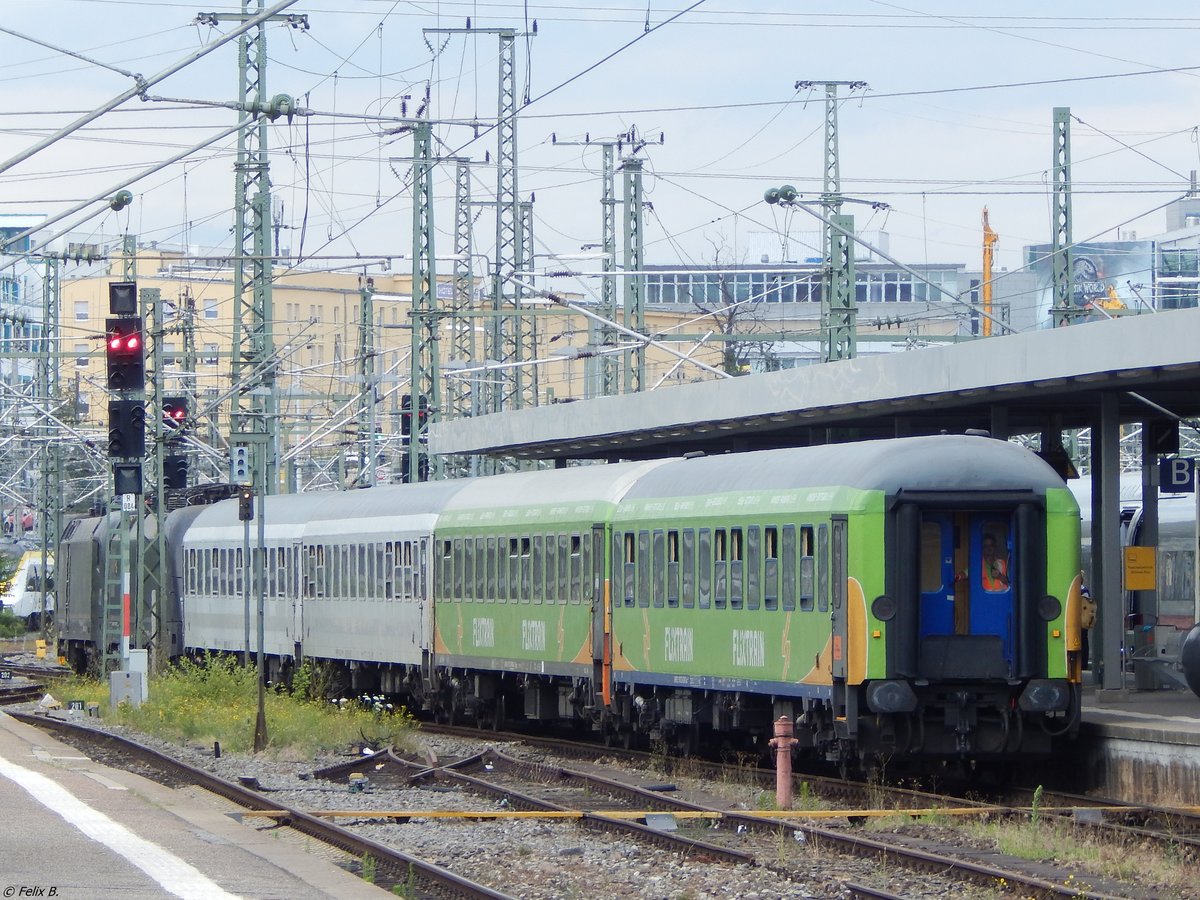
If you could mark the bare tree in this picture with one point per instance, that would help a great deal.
(732, 316)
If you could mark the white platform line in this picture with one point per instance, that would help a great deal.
(171, 872)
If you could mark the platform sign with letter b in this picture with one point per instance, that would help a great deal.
(1177, 475)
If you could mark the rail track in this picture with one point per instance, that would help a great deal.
(393, 867)
(1032, 880)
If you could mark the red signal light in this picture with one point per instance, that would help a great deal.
(123, 341)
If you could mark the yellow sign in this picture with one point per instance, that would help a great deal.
(1140, 574)
(40, 648)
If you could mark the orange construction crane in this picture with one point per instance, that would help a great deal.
(989, 242)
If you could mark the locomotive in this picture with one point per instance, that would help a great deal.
(915, 597)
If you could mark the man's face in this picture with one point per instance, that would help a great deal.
(989, 548)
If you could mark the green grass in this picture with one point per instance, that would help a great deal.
(10, 625)
(216, 699)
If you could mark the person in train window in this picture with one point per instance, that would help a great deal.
(995, 569)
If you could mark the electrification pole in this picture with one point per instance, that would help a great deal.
(50, 494)
(367, 378)
(253, 419)
(838, 308)
(634, 360)
(1063, 308)
(604, 367)
(506, 341)
(426, 396)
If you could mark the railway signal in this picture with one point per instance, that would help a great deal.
(175, 416)
(122, 298)
(175, 472)
(245, 503)
(126, 429)
(124, 354)
(127, 478)
(239, 464)
(406, 413)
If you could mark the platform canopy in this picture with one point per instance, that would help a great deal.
(1016, 384)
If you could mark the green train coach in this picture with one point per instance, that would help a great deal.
(916, 596)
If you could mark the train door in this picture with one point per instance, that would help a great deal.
(838, 590)
(991, 558)
(295, 593)
(966, 611)
(938, 588)
(422, 584)
(601, 599)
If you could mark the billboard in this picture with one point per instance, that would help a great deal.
(1106, 278)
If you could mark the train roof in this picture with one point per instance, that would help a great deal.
(547, 494)
(932, 463)
(324, 506)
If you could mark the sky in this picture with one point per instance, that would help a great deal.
(956, 114)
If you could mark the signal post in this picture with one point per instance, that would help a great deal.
(124, 353)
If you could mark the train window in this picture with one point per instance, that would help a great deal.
(239, 572)
(550, 567)
(285, 573)
(658, 576)
(674, 574)
(753, 568)
(771, 567)
(703, 568)
(270, 572)
(736, 550)
(789, 567)
(996, 557)
(514, 569)
(807, 568)
(576, 575)
(319, 572)
(526, 569)
(481, 561)
(389, 570)
(457, 590)
(536, 566)
(358, 568)
(823, 568)
(489, 583)
(338, 580)
(644, 568)
(447, 579)
(630, 557)
(687, 568)
(502, 569)
(381, 566)
(931, 557)
(566, 555)
(468, 579)
(402, 571)
(720, 568)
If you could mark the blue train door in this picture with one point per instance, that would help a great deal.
(991, 568)
(937, 574)
(965, 568)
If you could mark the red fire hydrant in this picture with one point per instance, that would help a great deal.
(783, 742)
